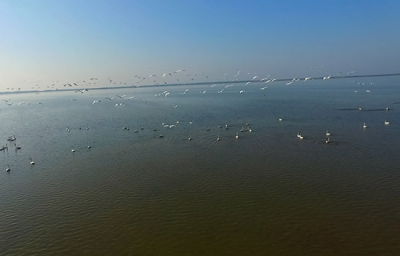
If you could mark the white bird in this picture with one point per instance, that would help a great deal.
(301, 137)
(328, 133)
(161, 135)
(365, 126)
(218, 139)
(237, 136)
(307, 78)
(280, 119)
(298, 135)
(8, 168)
(73, 150)
(326, 77)
(327, 141)
(386, 122)
(242, 91)
(263, 88)
(190, 137)
(32, 162)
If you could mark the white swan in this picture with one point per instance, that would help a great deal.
(8, 168)
(327, 133)
(237, 136)
(31, 162)
(218, 139)
(365, 126)
(327, 141)
(386, 122)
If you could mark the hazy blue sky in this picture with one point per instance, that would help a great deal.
(70, 40)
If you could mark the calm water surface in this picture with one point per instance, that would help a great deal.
(266, 193)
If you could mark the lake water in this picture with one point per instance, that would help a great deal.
(265, 193)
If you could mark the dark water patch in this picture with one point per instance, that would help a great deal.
(349, 109)
(363, 109)
(377, 109)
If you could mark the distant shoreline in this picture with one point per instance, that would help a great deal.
(201, 83)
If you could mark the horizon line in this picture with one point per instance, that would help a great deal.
(205, 83)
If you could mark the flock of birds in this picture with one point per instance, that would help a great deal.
(245, 128)
(180, 76)
(12, 139)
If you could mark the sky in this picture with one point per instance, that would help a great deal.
(43, 41)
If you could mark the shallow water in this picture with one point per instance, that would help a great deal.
(265, 193)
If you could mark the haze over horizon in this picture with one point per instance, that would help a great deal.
(66, 41)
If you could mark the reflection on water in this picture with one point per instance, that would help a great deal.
(266, 192)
